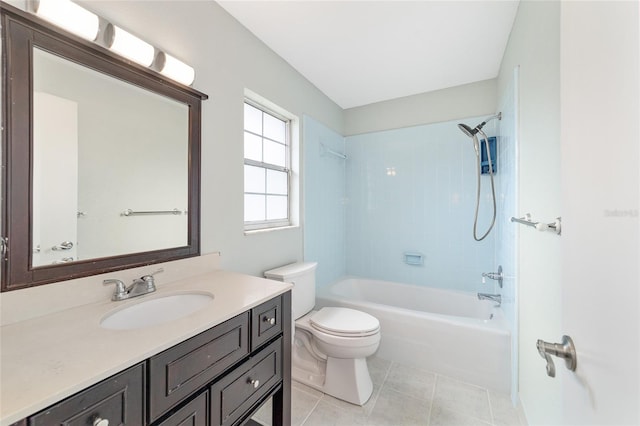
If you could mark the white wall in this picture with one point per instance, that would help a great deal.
(227, 59)
(469, 100)
(534, 45)
(600, 73)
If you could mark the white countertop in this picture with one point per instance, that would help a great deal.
(46, 359)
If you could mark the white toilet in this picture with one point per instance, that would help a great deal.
(330, 346)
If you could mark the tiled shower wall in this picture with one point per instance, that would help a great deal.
(414, 190)
(406, 190)
(324, 201)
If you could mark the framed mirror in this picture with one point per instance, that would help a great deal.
(101, 159)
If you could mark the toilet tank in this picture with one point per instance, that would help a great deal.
(303, 278)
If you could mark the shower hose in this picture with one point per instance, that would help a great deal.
(493, 191)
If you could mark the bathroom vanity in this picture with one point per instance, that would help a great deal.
(216, 366)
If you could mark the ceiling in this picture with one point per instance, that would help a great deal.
(361, 52)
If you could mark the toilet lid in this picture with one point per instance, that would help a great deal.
(344, 322)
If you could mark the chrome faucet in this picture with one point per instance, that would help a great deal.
(494, 297)
(140, 286)
(498, 276)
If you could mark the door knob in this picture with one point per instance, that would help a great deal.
(565, 350)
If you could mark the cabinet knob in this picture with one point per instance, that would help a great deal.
(100, 422)
(271, 321)
(254, 382)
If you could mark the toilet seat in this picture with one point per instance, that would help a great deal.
(344, 322)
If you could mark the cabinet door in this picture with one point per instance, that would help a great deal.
(237, 393)
(192, 414)
(118, 400)
(266, 322)
(178, 372)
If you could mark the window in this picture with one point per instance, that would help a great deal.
(267, 168)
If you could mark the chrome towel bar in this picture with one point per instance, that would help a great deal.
(129, 212)
(540, 226)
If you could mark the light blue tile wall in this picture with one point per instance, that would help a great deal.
(360, 218)
(324, 201)
(427, 206)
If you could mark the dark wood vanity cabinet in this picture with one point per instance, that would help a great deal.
(218, 377)
(118, 400)
(183, 369)
(247, 385)
(194, 413)
(266, 322)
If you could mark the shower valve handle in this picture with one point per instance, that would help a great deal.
(498, 276)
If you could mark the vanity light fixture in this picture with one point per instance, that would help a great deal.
(131, 47)
(69, 16)
(175, 69)
(79, 21)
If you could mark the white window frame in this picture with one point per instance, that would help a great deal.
(291, 165)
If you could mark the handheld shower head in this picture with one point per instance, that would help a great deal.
(471, 132)
(467, 130)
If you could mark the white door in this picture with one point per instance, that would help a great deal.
(600, 186)
(55, 179)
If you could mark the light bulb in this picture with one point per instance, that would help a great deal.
(131, 47)
(69, 16)
(177, 70)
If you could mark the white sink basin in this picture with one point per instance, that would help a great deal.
(155, 311)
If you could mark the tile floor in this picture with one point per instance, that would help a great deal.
(403, 396)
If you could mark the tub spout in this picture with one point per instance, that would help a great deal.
(494, 297)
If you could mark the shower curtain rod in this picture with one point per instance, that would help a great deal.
(332, 152)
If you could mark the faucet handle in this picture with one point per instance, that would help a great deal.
(151, 285)
(120, 292)
(151, 275)
(498, 276)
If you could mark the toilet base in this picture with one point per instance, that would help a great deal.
(349, 380)
(345, 379)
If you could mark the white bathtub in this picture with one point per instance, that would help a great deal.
(444, 331)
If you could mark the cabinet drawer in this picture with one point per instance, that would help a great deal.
(192, 414)
(266, 322)
(183, 369)
(236, 393)
(118, 399)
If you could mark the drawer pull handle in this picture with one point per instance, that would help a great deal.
(254, 382)
(100, 422)
(271, 321)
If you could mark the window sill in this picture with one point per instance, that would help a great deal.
(266, 230)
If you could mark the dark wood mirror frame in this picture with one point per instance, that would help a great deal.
(21, 31)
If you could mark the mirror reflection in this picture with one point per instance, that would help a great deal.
(110, 165)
